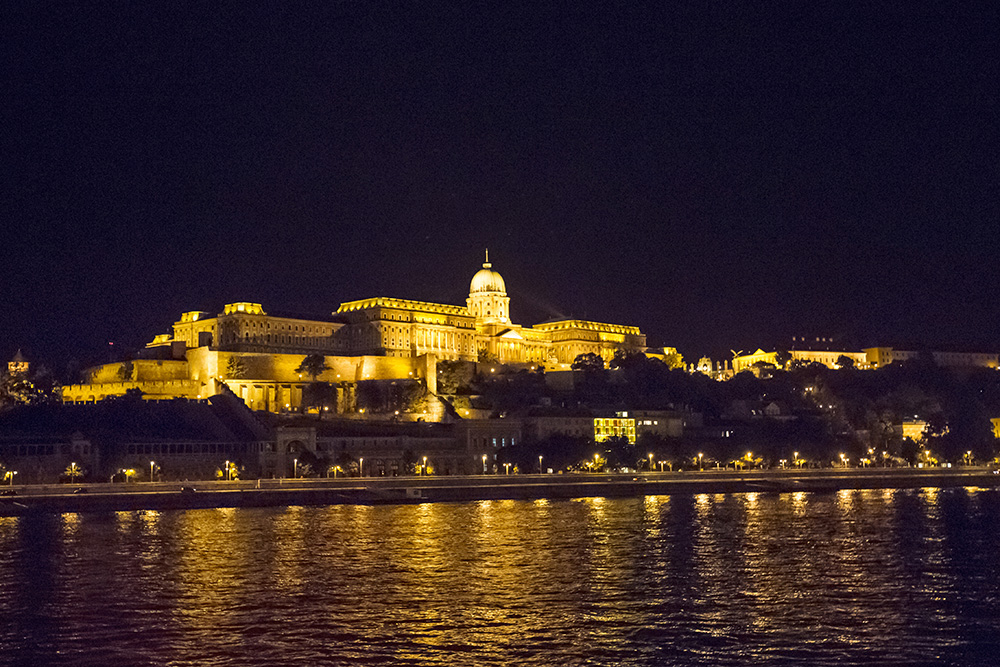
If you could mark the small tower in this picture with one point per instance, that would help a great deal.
(18, 365)
(488, 299)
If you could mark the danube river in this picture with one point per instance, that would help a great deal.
(887, 577)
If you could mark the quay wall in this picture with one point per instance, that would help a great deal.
(389, 490)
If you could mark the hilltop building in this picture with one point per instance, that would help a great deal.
(256, 355)
(18, 365)
(872, 357)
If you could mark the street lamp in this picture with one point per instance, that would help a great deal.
(151, 464)
(650, 462)
(506, 468)
(361, 466)
(661, 465)
(596, 459)
(227, 471)
(10, 476)
(700, 454)
(540, 464)
(795, 457)
(425, 466)
(484, 464)
(295, 468)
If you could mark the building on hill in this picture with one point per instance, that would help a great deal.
(883, 356)
(258, 356)
(872, 357)
(18, 365)
(828, 358)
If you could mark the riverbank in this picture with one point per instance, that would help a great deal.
(371, 491)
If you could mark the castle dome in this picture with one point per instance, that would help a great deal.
(486, 279)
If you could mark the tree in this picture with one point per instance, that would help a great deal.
(313, 365)
(487, 357)
(763, 369)
(844, 361)
(20, 389)
(133, 394)
(319, 395)
(126, 371)
(411, 396)
(674, 360)
(781, 358)
(409, 460)
(453, 376)
(588, 362)
(74, 472)
(237, 367)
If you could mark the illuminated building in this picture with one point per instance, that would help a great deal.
(882, 356)
(872, 357)
(256, 355)
(18, 365)
(914, 429)
(619, 426)
(403, 328)
(633, 424)
(826, 357)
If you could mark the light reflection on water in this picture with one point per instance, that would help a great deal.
(852, 577)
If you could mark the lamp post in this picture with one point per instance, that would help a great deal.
(650, 462)
(596, 459)
(506, 468)
(661, 465)
(227, 471)
(795, 459)
(540, 465)
(10, 476)
(425, 467)
(151, 464)
(361, 466)
(700, 454)
(295, 468)
(484, 464)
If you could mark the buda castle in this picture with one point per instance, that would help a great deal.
(257, 356)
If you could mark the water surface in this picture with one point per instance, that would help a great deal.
(893, 577)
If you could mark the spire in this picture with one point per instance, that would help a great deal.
(487, 264)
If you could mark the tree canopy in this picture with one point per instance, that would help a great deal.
(313, 365)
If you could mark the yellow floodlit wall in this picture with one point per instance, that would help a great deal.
(614, 427)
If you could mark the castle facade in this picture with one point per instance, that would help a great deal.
(256, 355)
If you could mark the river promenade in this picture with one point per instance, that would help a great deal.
(414, 489)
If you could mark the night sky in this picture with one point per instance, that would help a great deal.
(718, 174)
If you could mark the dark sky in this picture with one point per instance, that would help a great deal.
(723, 176)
